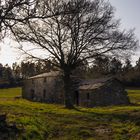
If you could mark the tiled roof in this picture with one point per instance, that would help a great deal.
(94, 84)
(91, 86)
(47, 74)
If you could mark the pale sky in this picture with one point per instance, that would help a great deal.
(126, 10)
(8, 54)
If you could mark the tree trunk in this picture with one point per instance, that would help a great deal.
(67, 90)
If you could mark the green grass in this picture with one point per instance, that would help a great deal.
(10, 93)
(39, 121)
(134, 95)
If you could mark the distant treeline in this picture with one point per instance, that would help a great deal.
(14, 76)
(100, 67)
(123, 70)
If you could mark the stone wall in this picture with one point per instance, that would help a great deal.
(112, 93)
(50, 90)
(44, 89)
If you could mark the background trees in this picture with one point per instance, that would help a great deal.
(13, 76)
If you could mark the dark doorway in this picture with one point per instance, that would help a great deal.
(76, 97)
(88, 96)
(32, 94)
(44, 93)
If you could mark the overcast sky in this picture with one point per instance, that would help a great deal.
(129, 13)
(126, 10)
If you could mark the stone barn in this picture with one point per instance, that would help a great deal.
(102, 92)
(48, 87)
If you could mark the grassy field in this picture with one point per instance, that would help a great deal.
(38, 121)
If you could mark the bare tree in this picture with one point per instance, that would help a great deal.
(88, 31)
(13, 12)
(10, 11)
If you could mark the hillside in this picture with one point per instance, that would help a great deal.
(38, 121)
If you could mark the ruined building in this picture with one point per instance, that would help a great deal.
(48, 87)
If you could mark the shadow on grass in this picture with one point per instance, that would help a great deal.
(130, 116)
(8, 132)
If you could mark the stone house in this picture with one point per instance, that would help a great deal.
(48, 87)
(102, 92)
